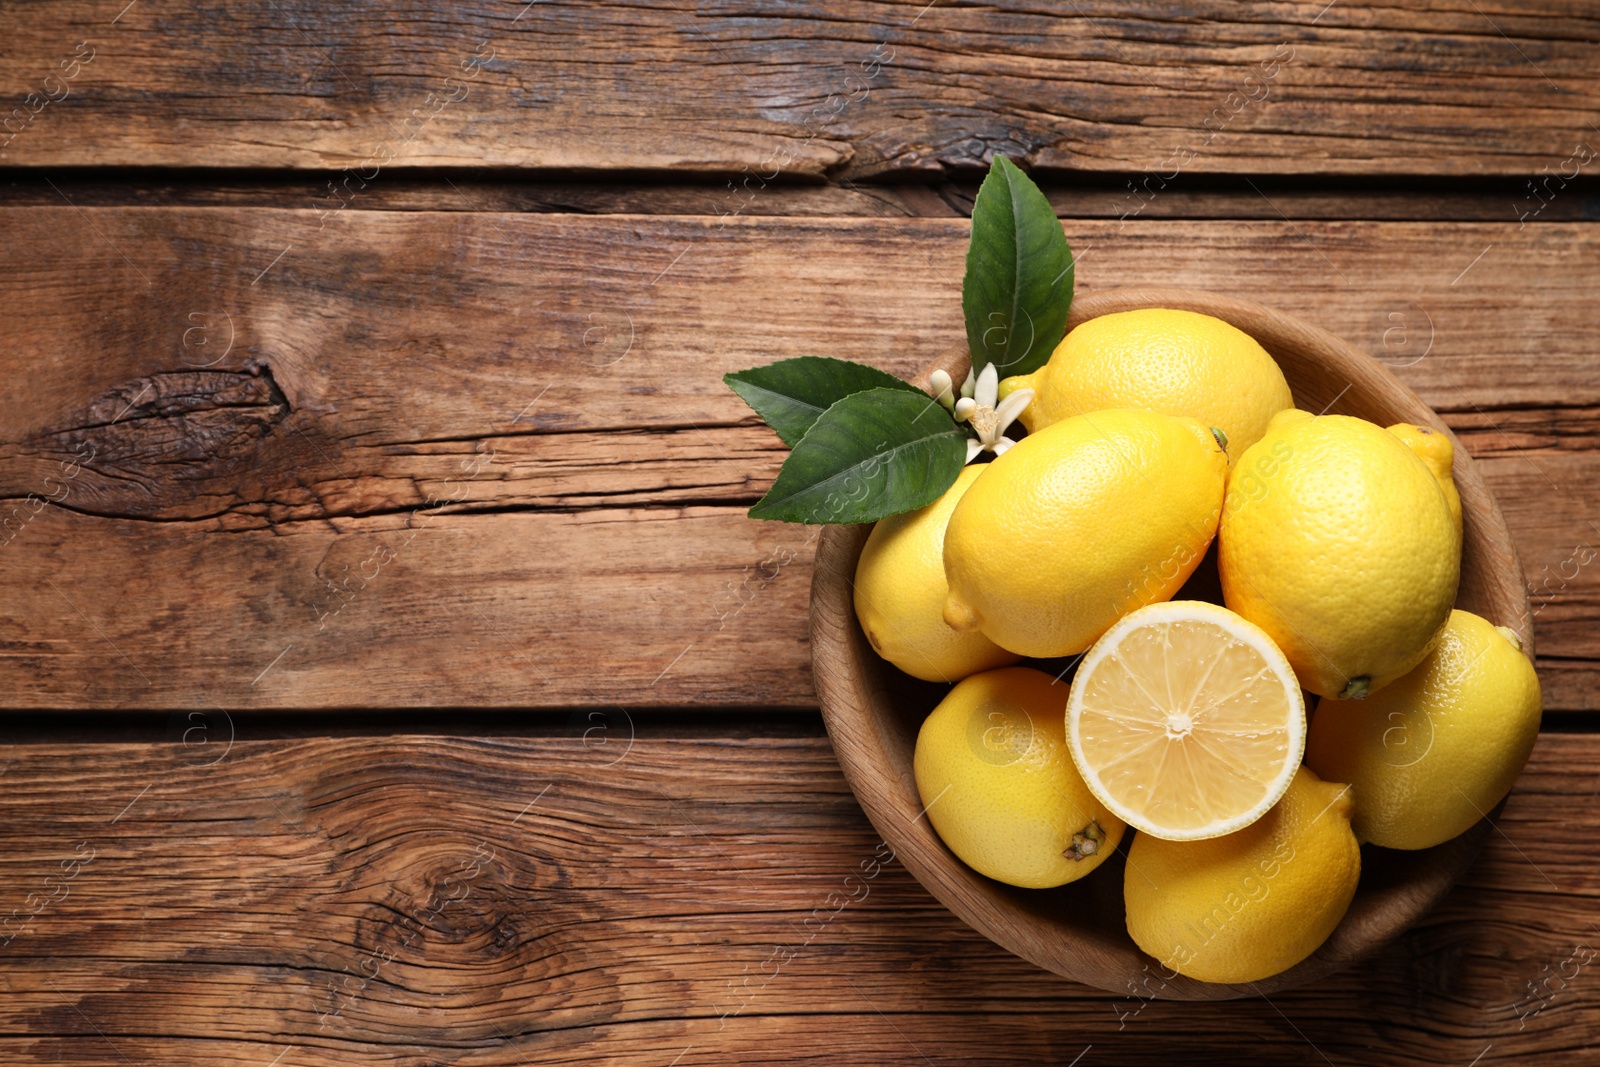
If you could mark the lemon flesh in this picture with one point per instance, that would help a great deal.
(1177, 362)
(1339, 542)
(999, 786)
(1186, 721)
(1433, 753)
(1080, 523)
(900, 593)
(1250, 905)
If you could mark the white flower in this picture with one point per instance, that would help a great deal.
(940, 380)
(978, 409)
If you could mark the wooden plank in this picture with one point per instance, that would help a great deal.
(509, 431)
(589, 608)
(847, 87)
(1544, 465)
(498, 901)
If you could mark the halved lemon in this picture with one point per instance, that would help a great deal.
(1186, 721)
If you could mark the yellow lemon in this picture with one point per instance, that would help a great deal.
(1186, 721)
(1435, 450)
(1338, 541)
(993, 772)
(1179, 362)
(900, 592)
(1432, 753)
(1252, 904)
(1080, 523)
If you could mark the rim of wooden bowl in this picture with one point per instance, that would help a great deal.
(1078, 930)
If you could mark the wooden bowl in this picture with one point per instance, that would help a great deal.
(873, 711)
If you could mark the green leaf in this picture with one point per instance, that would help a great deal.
(874, 453)
(1018, 286)
(792, 393)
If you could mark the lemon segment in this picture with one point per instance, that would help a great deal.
(999, 786)
(1186, 721)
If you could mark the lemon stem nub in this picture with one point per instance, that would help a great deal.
(1510, 635)
(1221, 438)
(1356, 688)
(1086, 842)
(959, 615)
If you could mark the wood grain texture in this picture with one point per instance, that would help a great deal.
(415, 901)
(500, 446)
(846, 87)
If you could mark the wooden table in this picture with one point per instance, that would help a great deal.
(395, 676)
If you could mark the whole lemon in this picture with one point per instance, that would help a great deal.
(994, 773)
(1438, 454)
(1080, 523)
(1339, 542)
(1178, 362)
(900, 592)
(1252, 904)
(1432, 753)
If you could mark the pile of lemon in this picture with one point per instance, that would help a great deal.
(1153, 434)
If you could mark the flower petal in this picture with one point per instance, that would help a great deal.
(1001, 445)
(988, 386)
(974, 446)
(967, 386)
(1011, 407)
(964, 408)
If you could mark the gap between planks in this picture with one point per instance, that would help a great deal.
(666, 723)
(1245, 197)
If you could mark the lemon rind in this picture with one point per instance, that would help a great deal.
(1251, 634)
